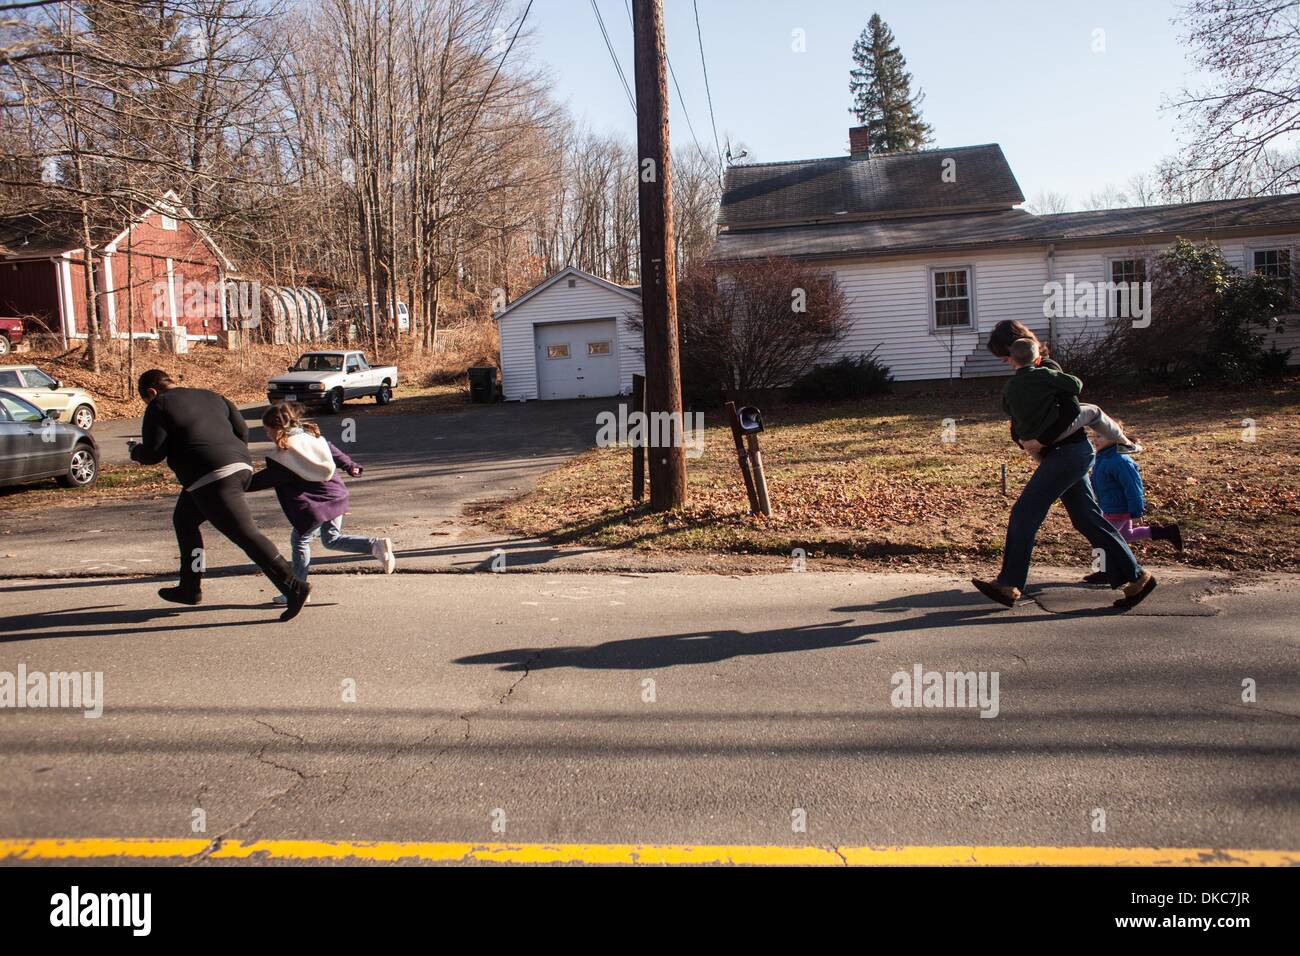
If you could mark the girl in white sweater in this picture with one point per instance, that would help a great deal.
(304, 471)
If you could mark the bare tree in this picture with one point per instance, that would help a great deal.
(1253, 48)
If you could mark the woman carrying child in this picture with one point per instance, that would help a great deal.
(1039, 394)
(304, 471)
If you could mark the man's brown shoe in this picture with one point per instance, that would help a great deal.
(1007, 597)
(1135, 592)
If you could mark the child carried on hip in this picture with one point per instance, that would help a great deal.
(1031, 399)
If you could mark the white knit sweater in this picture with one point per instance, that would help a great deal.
(307, 456)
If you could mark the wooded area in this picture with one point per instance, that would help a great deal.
(385, 149)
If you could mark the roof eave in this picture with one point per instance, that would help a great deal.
(863, 217)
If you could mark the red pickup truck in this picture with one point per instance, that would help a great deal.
(11, 333)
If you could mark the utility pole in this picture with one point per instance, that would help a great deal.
(663, 379)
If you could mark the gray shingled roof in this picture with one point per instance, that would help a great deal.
(867, 187)
(1178, 218)
(976, 230)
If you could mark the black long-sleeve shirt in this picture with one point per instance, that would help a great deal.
(195, 430)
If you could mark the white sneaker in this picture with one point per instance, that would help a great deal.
(382, 550)
(282, 600)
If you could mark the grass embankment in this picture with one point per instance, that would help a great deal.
(875, 481)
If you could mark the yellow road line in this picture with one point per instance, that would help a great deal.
(630, 853)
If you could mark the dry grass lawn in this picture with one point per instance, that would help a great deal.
(874, 481)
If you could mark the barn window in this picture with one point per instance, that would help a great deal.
(169, 222)
(950, 298)
(557, 351)
(1126, 299)
(1275, 264)
(597, 348)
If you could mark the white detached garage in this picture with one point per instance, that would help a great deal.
(572, 336)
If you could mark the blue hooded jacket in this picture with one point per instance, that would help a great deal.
(1118, 483)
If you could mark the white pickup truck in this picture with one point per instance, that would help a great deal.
(331, 378)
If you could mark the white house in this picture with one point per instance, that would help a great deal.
(575, 335)
(932, 251)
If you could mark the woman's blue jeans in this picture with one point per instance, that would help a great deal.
(332, 536)
(1063, 474)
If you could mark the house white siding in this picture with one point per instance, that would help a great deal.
(587, 300)
(889, 300)
(889, 306)
(1093, 265)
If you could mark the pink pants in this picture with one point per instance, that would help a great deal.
(1124, 525)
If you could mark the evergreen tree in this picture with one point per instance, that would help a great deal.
(882, 92)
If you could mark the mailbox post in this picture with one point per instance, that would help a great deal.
(746, 423)
(751, 423)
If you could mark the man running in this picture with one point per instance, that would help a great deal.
(204, 439)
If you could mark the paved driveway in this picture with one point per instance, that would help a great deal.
(421, 471)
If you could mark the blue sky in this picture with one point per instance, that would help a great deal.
(1022, 74)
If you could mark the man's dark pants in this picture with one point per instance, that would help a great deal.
(1063, 474)
(222, 503)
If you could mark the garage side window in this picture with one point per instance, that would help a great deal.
(557, 351)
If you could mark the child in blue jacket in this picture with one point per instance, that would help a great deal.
(1117, 483)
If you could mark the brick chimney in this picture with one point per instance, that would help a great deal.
(859, 144)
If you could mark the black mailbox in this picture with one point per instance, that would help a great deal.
(751, 420)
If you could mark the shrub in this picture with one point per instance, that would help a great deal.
(1207, 320)
(752, 326)
(846, 378)
(1096, 358)
(1273, 364)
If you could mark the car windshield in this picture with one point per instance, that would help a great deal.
(315, 362)
(20, 411)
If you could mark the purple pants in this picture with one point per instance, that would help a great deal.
(1124, 525)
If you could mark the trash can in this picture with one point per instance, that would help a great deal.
(482, 384)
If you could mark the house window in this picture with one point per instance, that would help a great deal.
(169, 222)
(597, 348)
(951, 298)
(557, 351)
(1275, 264)
(1127, 298)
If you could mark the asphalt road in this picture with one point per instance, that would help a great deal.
(522, 700)
(420, 472)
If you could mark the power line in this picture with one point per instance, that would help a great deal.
(707, 92)
(631, 101)
(681, 98)
(501, 62)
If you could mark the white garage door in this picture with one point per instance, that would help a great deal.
(576, 359)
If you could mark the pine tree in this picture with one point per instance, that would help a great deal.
(882, 92)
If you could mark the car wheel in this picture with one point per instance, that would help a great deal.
(384, 395)
(83, 468)
(334, 402)
(4, 345)
(84, 417)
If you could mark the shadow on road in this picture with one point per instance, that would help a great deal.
(112, 620)
(702, 647)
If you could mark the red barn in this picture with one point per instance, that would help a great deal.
(161, 270)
